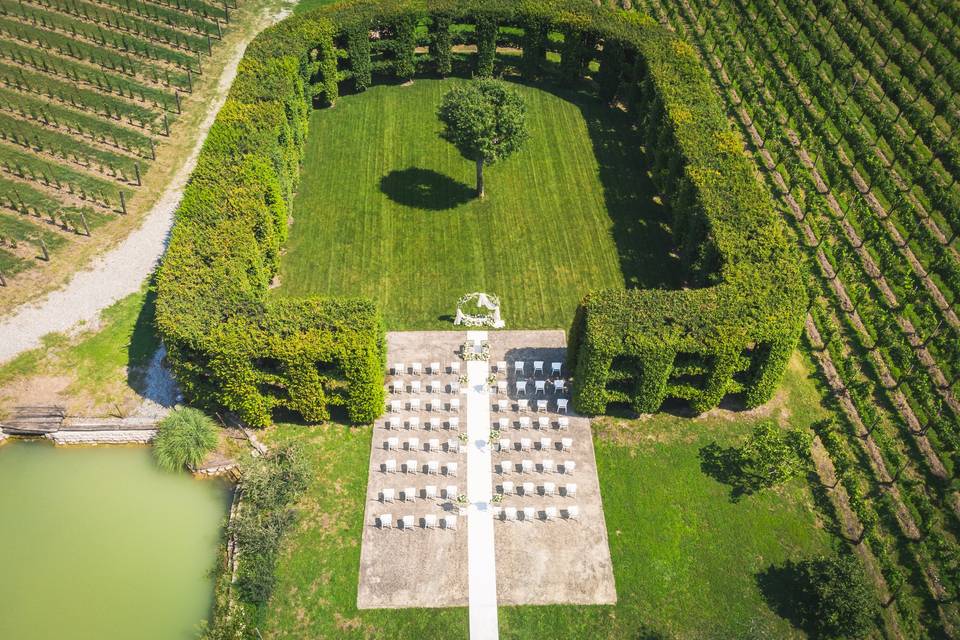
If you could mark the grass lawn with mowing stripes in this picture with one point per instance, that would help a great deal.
(386, 210)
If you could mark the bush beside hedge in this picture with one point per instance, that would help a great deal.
(233, 346)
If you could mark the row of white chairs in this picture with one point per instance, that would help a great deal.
(434, 404)
(527, 444)
(539, 386)
(432, 445)
(527, 489)
(429, 492)
(529, 514)
(413, 422)
(410, 522)
(416, 368)
(432, 467)
(523, 405)
(542, 423)
(434, 386)
(567, 467)
(520, 366)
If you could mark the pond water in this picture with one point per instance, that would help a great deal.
(98, 543)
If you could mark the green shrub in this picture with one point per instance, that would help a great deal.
(184, 437)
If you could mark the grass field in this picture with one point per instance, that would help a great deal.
(686, 558)
(386, 210)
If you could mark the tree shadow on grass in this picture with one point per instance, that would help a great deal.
(783, 588)
(425, 189)
(725, 465)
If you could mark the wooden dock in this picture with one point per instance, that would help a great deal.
(34, 420)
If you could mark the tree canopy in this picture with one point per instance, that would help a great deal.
(834, 598)
(485, 120)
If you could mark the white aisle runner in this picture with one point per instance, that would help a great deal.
(481, 563)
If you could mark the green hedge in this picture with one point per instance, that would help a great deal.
(233, 346)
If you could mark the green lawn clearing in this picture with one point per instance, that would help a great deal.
(386, 210)
(686, 557)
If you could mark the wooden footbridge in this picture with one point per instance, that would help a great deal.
(34, 420)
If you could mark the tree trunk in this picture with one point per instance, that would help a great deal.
(480, 192)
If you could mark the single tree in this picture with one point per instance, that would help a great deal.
(485, 120)
(772, 455)
(833, 598)
(184, 437)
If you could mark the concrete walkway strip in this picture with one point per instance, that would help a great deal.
(481, 562)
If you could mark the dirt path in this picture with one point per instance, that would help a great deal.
(122, 270)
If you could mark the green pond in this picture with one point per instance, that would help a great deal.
(99, 543)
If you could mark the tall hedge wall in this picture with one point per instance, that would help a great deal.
(233, 346)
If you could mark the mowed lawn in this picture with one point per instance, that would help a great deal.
(386, 210)
(686, 557)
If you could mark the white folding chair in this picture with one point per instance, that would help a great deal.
(451, 492)
(549, 513)
(430, 492)
(394, 423)
(543, 423)
(506, 466)
(547, 465)
(501, 406)
(435, 368)
(555, 368)
(390, 466)
(529, 514)
(451, 468)
(453, 445)
(453, 424)
(559, 386)
(570, 490)
(504, 444)
(433, 467)
(436, 404)
(455, 386)
(537, 367)
(525, 444)
(566, 443)
(510, 514)
(562, 405)
(413, 444)
(503, 424)
(563, 423)
(414, 404)
(501, 366)
(413, 422)
(527, 466)
(411, 466)
(540, 386)
(523, 423)
(407, 523)
(454, 405)
(501, 386)
(396, 386)
(569, 466)
(455, 367)
(399, 369)
(518, 367)
(434, 424)
(507, 488)
(549, 489)
(385, 520)
(436, 386)
(546, 444)
(573, 512)
(396, 406)
(433, 444)
(541, 406)
(521, 386)
(392, 444)
(529, 489)
(450, 523)
(409, 494)
(416, 368)
(386, 495)
(523, 406)
(414, 386)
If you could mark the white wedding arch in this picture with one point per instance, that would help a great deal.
(482, 310)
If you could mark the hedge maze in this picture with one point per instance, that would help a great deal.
(232, 345)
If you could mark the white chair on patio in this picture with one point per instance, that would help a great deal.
(455, 386)
(416, 368)
(429, 521)
(573, 512)
(550, 513)
(563, 423)
(521, 387)
(411, 466)
(529, 489)
(570, 490)
(501, 366)
(501, 386)
(555, 368)
(435, 368)
(543, 423)
(433, 467)
(559, 386)
(541, 406)
(502, 406)
(407, 522)
(413, 444)
(434, 424)
(414, 386)
(453, 445)
(566, 444)
(385, 520)
(569, 466)
(540, 386)
(396, 406)
(451, 468)
(523, 406)
(454, 405)
(504, 444)
(518, 367)
(527, 466)
(414, 404)
(525, 444)
(507, 488)
(546, 444)
(435, 386)
(392, 444)
(453, 424)
(562, 405)
(529, 514)
(399, 368)
(549, 489)
(450, 523)
(503, 424)
(430, 492)
(390, 466)
(410, 494)
(524, 422)
(510, 514)
(413, 422)
(537, 367)
(433, 444)
(396, 386)
(506, 466)
(455, 368)
(393, 423)
(386, 495)
(547, 465)
(450, 492)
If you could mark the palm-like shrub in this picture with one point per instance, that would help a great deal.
(184, 437)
